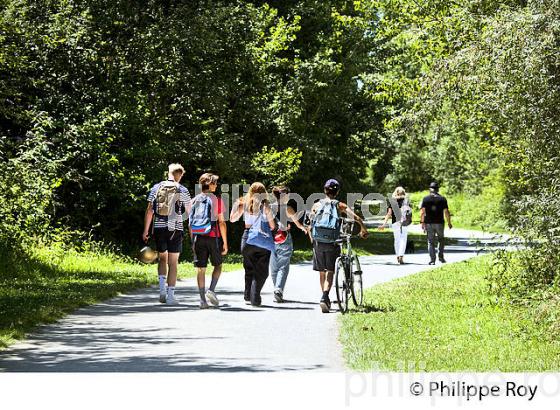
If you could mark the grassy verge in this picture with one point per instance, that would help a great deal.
(445, 320)
(52, 282)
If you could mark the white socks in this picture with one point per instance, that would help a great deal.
(161, 284)
(170, 289)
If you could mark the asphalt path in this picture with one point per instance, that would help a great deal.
(135, 333)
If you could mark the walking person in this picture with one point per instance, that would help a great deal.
(167, 202)
(257, 242)
(286, 217)
(400, 213)
(325, 226)
(209, 236)
(432, 211)
(238, 212)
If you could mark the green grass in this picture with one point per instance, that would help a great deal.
(52, 282)
(445, 320)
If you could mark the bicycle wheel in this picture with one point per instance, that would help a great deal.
(342, 288)
(357, 285)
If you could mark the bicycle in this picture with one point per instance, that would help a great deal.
(348, 280)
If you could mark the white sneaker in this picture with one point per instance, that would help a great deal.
(172, 300)
(203, 305)
(162, 297)
(211, 296)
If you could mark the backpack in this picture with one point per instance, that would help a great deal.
(280, 237)
(260, 233)
(406, 213)
(166, 197)
(326, 224)
(281, 232)
(200, 217)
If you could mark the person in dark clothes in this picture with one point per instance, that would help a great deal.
(325, 253)
(432, 211)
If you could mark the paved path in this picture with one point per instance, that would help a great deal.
(134, 333)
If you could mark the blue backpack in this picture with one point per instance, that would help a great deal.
(200, 216)
(326, 225)
(260, 233)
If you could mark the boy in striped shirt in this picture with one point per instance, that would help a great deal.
(168, 201)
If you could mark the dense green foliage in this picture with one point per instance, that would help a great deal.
(484, 113)
(114, 91)
(446, 319)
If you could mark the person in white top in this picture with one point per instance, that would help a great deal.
(255, 259)
(400, 232)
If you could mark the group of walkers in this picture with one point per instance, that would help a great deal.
(266, 242)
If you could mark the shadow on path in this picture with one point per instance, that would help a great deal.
(83, 348)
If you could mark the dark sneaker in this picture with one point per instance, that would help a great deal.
(442, 260)
(432, 263)
(256, 300)
(325, 304)
(278, 296)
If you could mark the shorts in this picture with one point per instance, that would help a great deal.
(324, 256)
(168, 241)
(207, 247)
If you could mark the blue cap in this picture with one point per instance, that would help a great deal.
(332, 184)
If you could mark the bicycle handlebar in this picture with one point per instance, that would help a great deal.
(344, 237)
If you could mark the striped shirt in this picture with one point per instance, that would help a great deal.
(172, 222)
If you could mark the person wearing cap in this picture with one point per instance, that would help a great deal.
(286, 217)
(432, 211)
(325, 253)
